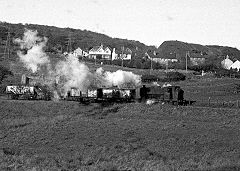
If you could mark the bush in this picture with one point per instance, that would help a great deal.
(149, 78)
(227, 73)
(137, 64)
(4, 72)
(175, 76)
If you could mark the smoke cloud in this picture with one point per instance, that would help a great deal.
(73, 74)
(119, 78)
(34, 57)
(69, 72)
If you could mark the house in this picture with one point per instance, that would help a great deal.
(80, 53)
(123, 54)
(99, 52)
(196, 58)
(163, 59)
(226, 63)
(114, 54)
(235, 65)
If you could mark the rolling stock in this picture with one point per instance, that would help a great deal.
(168, 94)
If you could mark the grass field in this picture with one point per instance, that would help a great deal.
(38, 135)
(219, 90)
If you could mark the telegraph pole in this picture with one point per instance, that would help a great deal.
(187, 53)
(8, 45)
(151, 58)
(167, 66)
(69, 43)
(151, 65)
(6, 53)
(122, 55)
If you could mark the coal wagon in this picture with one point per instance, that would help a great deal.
(27, 92)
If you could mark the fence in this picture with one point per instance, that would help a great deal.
(218, 104)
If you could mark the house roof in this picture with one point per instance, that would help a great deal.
(107, 48)
(165, 55)
(125, 51)
(226, 63)
(97, 48)
(196, 55)
(235, 65)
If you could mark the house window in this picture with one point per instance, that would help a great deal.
(98, 56)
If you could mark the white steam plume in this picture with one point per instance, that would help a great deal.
(73, 74)
(119, 78)
(68, 73)
(35, 55)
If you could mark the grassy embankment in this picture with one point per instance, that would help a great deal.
(71, 136)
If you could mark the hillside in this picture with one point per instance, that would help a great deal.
(58, 38)
(212, 53)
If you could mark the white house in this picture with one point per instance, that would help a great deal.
(226, 63)
(114, 54)
(80, 53)
(235, 65)
(196, 58)
(99, 52)
(124, 54)
(162, 59)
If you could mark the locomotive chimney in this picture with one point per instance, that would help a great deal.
(25, 80)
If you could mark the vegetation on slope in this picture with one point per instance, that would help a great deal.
(213, 54)
(58, 37)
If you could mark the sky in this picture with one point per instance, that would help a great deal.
(207, 22)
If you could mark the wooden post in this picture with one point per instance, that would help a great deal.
(209, 99)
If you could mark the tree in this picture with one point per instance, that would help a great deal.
(146, 65)
(4, 72)
(175, 76)
(138, 64)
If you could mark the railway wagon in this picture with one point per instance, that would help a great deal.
(117, 94)
(113, 94)
(27, 92)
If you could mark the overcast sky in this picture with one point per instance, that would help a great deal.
(205, 22)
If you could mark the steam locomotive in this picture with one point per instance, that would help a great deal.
(169, 94)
